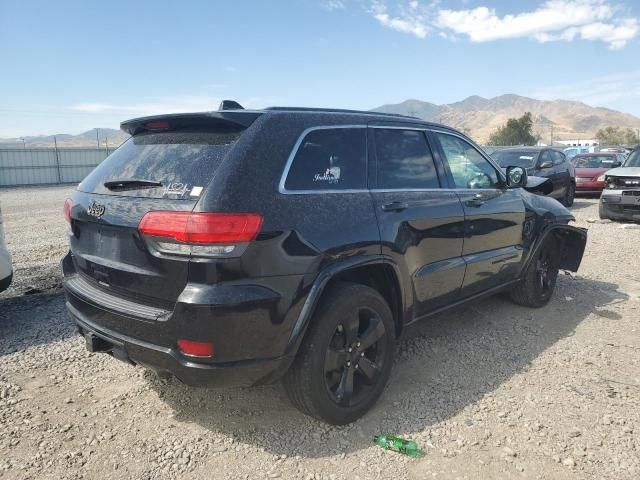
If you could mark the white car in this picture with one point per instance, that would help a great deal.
(6, 271)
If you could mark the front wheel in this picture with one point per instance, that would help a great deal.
(569, 195)
(345, 359)
(539, 280)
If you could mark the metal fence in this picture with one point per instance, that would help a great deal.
(38, 166)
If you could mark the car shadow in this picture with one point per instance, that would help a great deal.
(430, 382)
(580, 203)
(30, 320)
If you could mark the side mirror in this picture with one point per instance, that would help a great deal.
(616, 164)
(546, 165)
(516, 177)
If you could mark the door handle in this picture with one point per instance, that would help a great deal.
(395, 206)
(476, 201)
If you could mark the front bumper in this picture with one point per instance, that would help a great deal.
(620, 204)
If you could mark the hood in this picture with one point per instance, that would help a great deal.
(624, 172)
(590, 172)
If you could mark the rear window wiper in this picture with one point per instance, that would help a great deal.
(131, 184)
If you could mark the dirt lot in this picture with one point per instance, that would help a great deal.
(491, 390)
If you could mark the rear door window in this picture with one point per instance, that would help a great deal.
(404, 160)
(329, 159)
(182, 162)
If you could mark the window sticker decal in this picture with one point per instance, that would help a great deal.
(330, 175)
(176, 188)
(195, 192)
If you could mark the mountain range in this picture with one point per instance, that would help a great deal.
(476, 116)
(106, 136)
(479, 117)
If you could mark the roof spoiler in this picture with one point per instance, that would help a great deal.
(226, 119)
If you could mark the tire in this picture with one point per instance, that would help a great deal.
(318, 381)
(601, 212)
(569, 195)
(539, 280)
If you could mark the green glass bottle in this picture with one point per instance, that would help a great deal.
(389, 442)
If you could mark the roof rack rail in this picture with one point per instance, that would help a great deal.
(340, 110)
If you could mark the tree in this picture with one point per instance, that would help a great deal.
(617, 136)
(517, 131)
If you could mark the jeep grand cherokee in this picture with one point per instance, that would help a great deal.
(242, 247)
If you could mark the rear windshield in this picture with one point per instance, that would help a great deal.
(517, 159)
(183, 163)
(599, 161)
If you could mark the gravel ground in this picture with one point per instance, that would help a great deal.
(491, 390)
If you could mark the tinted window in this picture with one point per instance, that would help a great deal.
(330, 159)
(524, 159)
(468, 167)
(179, 161)
(558, 158)
(545, 157)
(404, 160)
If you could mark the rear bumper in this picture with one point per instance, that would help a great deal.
(590, 188)
(166, 360)
(249, 324)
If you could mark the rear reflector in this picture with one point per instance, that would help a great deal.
(68, 205)
(196, 349)
(202, 228)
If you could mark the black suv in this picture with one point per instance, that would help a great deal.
(242, 247)
(543, 162)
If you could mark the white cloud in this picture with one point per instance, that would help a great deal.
(408, 20)
(552, 20)
(332, 5)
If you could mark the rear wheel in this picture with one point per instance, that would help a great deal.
(569, 195)
(539, 280)
(345, 359)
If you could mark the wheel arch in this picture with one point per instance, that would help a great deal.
(380, 273)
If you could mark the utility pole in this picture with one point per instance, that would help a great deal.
(24, 144)
(551, 140)
(97, 138)
(55, 143)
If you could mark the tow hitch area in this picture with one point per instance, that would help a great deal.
(97, 344)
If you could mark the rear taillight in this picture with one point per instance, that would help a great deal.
(193, 348)
(68, 204)
(199, 234)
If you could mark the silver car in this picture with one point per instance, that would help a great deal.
(620, 199)
(6, 270)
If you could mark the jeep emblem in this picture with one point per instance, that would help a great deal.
(95, 210)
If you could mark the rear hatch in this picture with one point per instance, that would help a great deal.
(161, 170)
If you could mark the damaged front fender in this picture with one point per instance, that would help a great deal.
(573, 241)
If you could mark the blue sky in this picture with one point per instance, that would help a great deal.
(68, 66)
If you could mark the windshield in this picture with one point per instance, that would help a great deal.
(633, 160)
(514, 158)
(597, 161)
(161, 165)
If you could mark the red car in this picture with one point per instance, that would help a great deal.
(590, 169)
